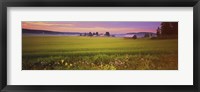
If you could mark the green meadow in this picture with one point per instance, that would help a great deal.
(98, 53)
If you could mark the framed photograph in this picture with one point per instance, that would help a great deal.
(121, 45)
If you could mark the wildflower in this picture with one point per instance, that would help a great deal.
(62, 61)
(66, 64)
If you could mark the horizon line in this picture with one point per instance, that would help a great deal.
(80, 32)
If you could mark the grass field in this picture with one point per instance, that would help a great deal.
(98, 53)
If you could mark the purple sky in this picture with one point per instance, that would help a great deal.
(101, 27)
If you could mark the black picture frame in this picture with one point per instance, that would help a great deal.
(98, 3)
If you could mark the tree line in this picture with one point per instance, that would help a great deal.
(94, 34)
(168, 30)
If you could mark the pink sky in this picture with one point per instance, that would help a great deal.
(101, 27)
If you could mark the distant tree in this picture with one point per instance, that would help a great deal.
(85, 34)
(113, 35)
(158, 32)
(90, 34)
(134, 37)
(93, 33)
(107, 34)
(147, 35)
(151, 35)
(97, 33)
(80, 34)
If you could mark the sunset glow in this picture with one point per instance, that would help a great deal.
(101, 27)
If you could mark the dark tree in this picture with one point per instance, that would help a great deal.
(107, 34)
(174, 28)
(97, 33)
(158, 32)
(90, 34)
(93, 33)
(165, 28)
(134, 37)
(169, 29)
(85, 34)
(80, 34)
(147, 35)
